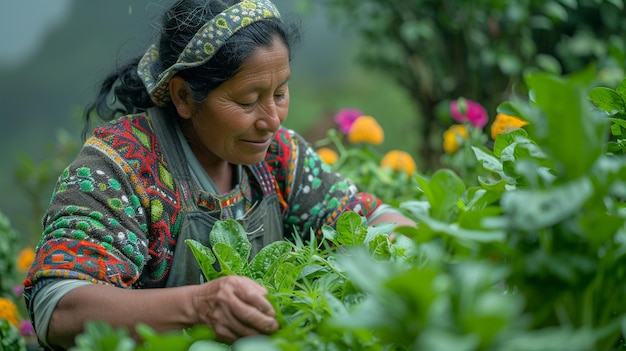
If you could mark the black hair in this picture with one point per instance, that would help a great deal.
(122, 92)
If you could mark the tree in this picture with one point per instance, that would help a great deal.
(439, 50)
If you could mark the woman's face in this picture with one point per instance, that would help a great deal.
(238, 120)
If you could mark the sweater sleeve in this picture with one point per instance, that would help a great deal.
(314, 194)
(95, 226)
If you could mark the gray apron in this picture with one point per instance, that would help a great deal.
(263, 222)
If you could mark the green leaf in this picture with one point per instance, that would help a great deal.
(618, 121)
(616, 128)
(479, 198)
(472, 219)
(454, 230)
(267, 256)
(415, 207)
(231, 233)
(504, 140)
(532, 210)
(285, 276)
(600, 227)
(569, 132)
(177, 340)
(440, 339)
(10, 338)
(231, 263)
(385, 228)
(209, 345)
(607, 99)
(174, 341)
(255, 343)
(555, 338)
(205, 258)
(329, 233)
(488, 160)
(351, 229)
(621, 89)
(443, 192)
(380, 247)
(494, 185)
(548, 63)
(555, 10)
(101, 336)
(525, 158)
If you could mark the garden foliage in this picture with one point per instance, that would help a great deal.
(529, 256)
(480, 49)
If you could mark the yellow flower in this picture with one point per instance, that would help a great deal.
(453, 138)
(366, 129)
(8, 311)
(25, 259)
(327, 155)
(505, 123)
(399, 161)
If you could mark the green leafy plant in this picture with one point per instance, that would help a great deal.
(230, 255)
(10, 338)
(8, 255)
(100, 336)
(613, 103)
(528, 256)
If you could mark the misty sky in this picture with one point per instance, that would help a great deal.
(23, 24)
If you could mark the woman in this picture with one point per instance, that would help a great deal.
(200, 140)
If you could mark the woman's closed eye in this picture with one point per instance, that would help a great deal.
(281, 94)
(247, 104)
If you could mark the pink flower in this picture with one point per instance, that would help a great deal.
(345, 117)
(26, 328)
(467, 110)
(18, 290)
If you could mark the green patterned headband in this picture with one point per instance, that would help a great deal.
(203, 45)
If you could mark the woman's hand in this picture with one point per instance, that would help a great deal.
(234, 307)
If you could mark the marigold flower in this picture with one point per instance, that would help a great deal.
(346, 117)
(505, 123)
(328, 155)
(467, 110)
(453, 138)
(25, 259)
(8, 311)
(399, 161)
(366, 130)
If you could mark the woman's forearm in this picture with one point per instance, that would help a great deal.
(233, 306)
(161, 309)
(397, 218)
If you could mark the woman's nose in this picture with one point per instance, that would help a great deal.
(269, 118)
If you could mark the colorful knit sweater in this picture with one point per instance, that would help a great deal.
(115, 212)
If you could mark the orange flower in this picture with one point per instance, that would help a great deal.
(327, 155)
(366, 129)
(25, 259)
(8, 311)
(399, 161)
(505, 123)
(453, 138)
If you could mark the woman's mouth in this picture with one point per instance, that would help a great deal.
(260, 144)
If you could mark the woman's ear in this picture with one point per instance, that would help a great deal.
(181, 97)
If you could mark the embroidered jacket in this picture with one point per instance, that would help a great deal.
(115, 212)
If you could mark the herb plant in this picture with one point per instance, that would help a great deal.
(531, 255)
